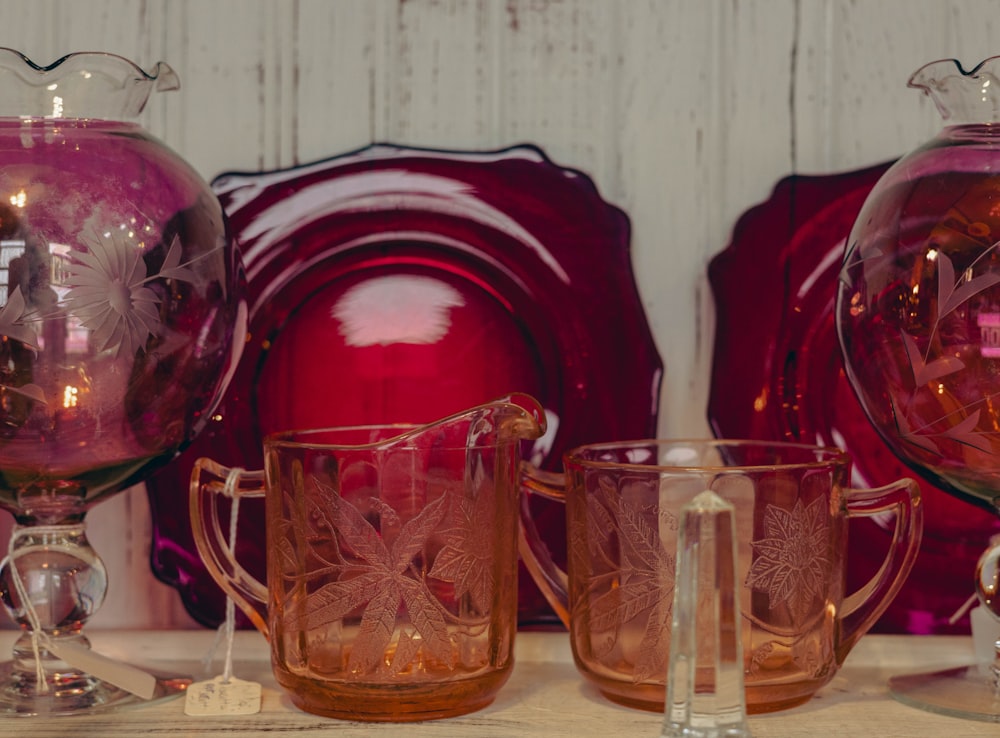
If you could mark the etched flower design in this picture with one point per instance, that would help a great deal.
(790, 562)
(16, 320)
(380, 579)
(953, 292)
(109, 293)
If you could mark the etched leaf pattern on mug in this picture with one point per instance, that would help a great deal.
(790, 562)
(630, 580)
(466, 559)
(385, 578)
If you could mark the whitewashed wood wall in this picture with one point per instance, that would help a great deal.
(684, 112)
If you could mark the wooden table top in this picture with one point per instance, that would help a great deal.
(545, 697)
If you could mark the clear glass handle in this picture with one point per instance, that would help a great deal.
(705, 697)
(865, 605)
(551, 579)
(211, 481)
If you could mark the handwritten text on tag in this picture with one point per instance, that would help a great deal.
(220, 696)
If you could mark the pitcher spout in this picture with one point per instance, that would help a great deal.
(517, 415)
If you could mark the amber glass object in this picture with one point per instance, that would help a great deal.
(391, 588)
(792, 507)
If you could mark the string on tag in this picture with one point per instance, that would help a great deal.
(227, 630)
(74, 654)
(225, 695)
(966, 606)
(230, 490)
(38, 636)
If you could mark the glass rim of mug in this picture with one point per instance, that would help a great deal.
(822, 455)
(381, 434)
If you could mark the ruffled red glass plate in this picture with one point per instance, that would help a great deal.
(777, 373)
(401, 285)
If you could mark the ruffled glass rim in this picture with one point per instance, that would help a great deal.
(962, 96)
(84, 84)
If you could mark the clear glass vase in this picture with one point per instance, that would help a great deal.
(918, 318)
(122, 315)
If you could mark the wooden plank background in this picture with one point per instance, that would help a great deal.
(684, 112)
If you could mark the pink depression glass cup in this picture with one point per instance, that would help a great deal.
(391, 560)
(792, 504)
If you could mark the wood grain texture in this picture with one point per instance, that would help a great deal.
(684, 113)
(545, 696)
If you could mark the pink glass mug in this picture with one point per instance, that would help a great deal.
(792, 511)
(391, 560)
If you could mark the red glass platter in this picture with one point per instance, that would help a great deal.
(401, 285)
(777, 373)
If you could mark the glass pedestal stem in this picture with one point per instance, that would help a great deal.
(51, 582)
(971, 692)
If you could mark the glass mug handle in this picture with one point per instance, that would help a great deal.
(864, 606)
(551, 579)
(211, 481)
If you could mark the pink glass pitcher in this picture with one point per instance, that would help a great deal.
(391, 560)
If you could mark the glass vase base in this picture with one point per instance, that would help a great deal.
(969, 692)
(79, 695)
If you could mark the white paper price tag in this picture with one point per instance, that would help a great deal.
(221, 696)
(124, 676)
